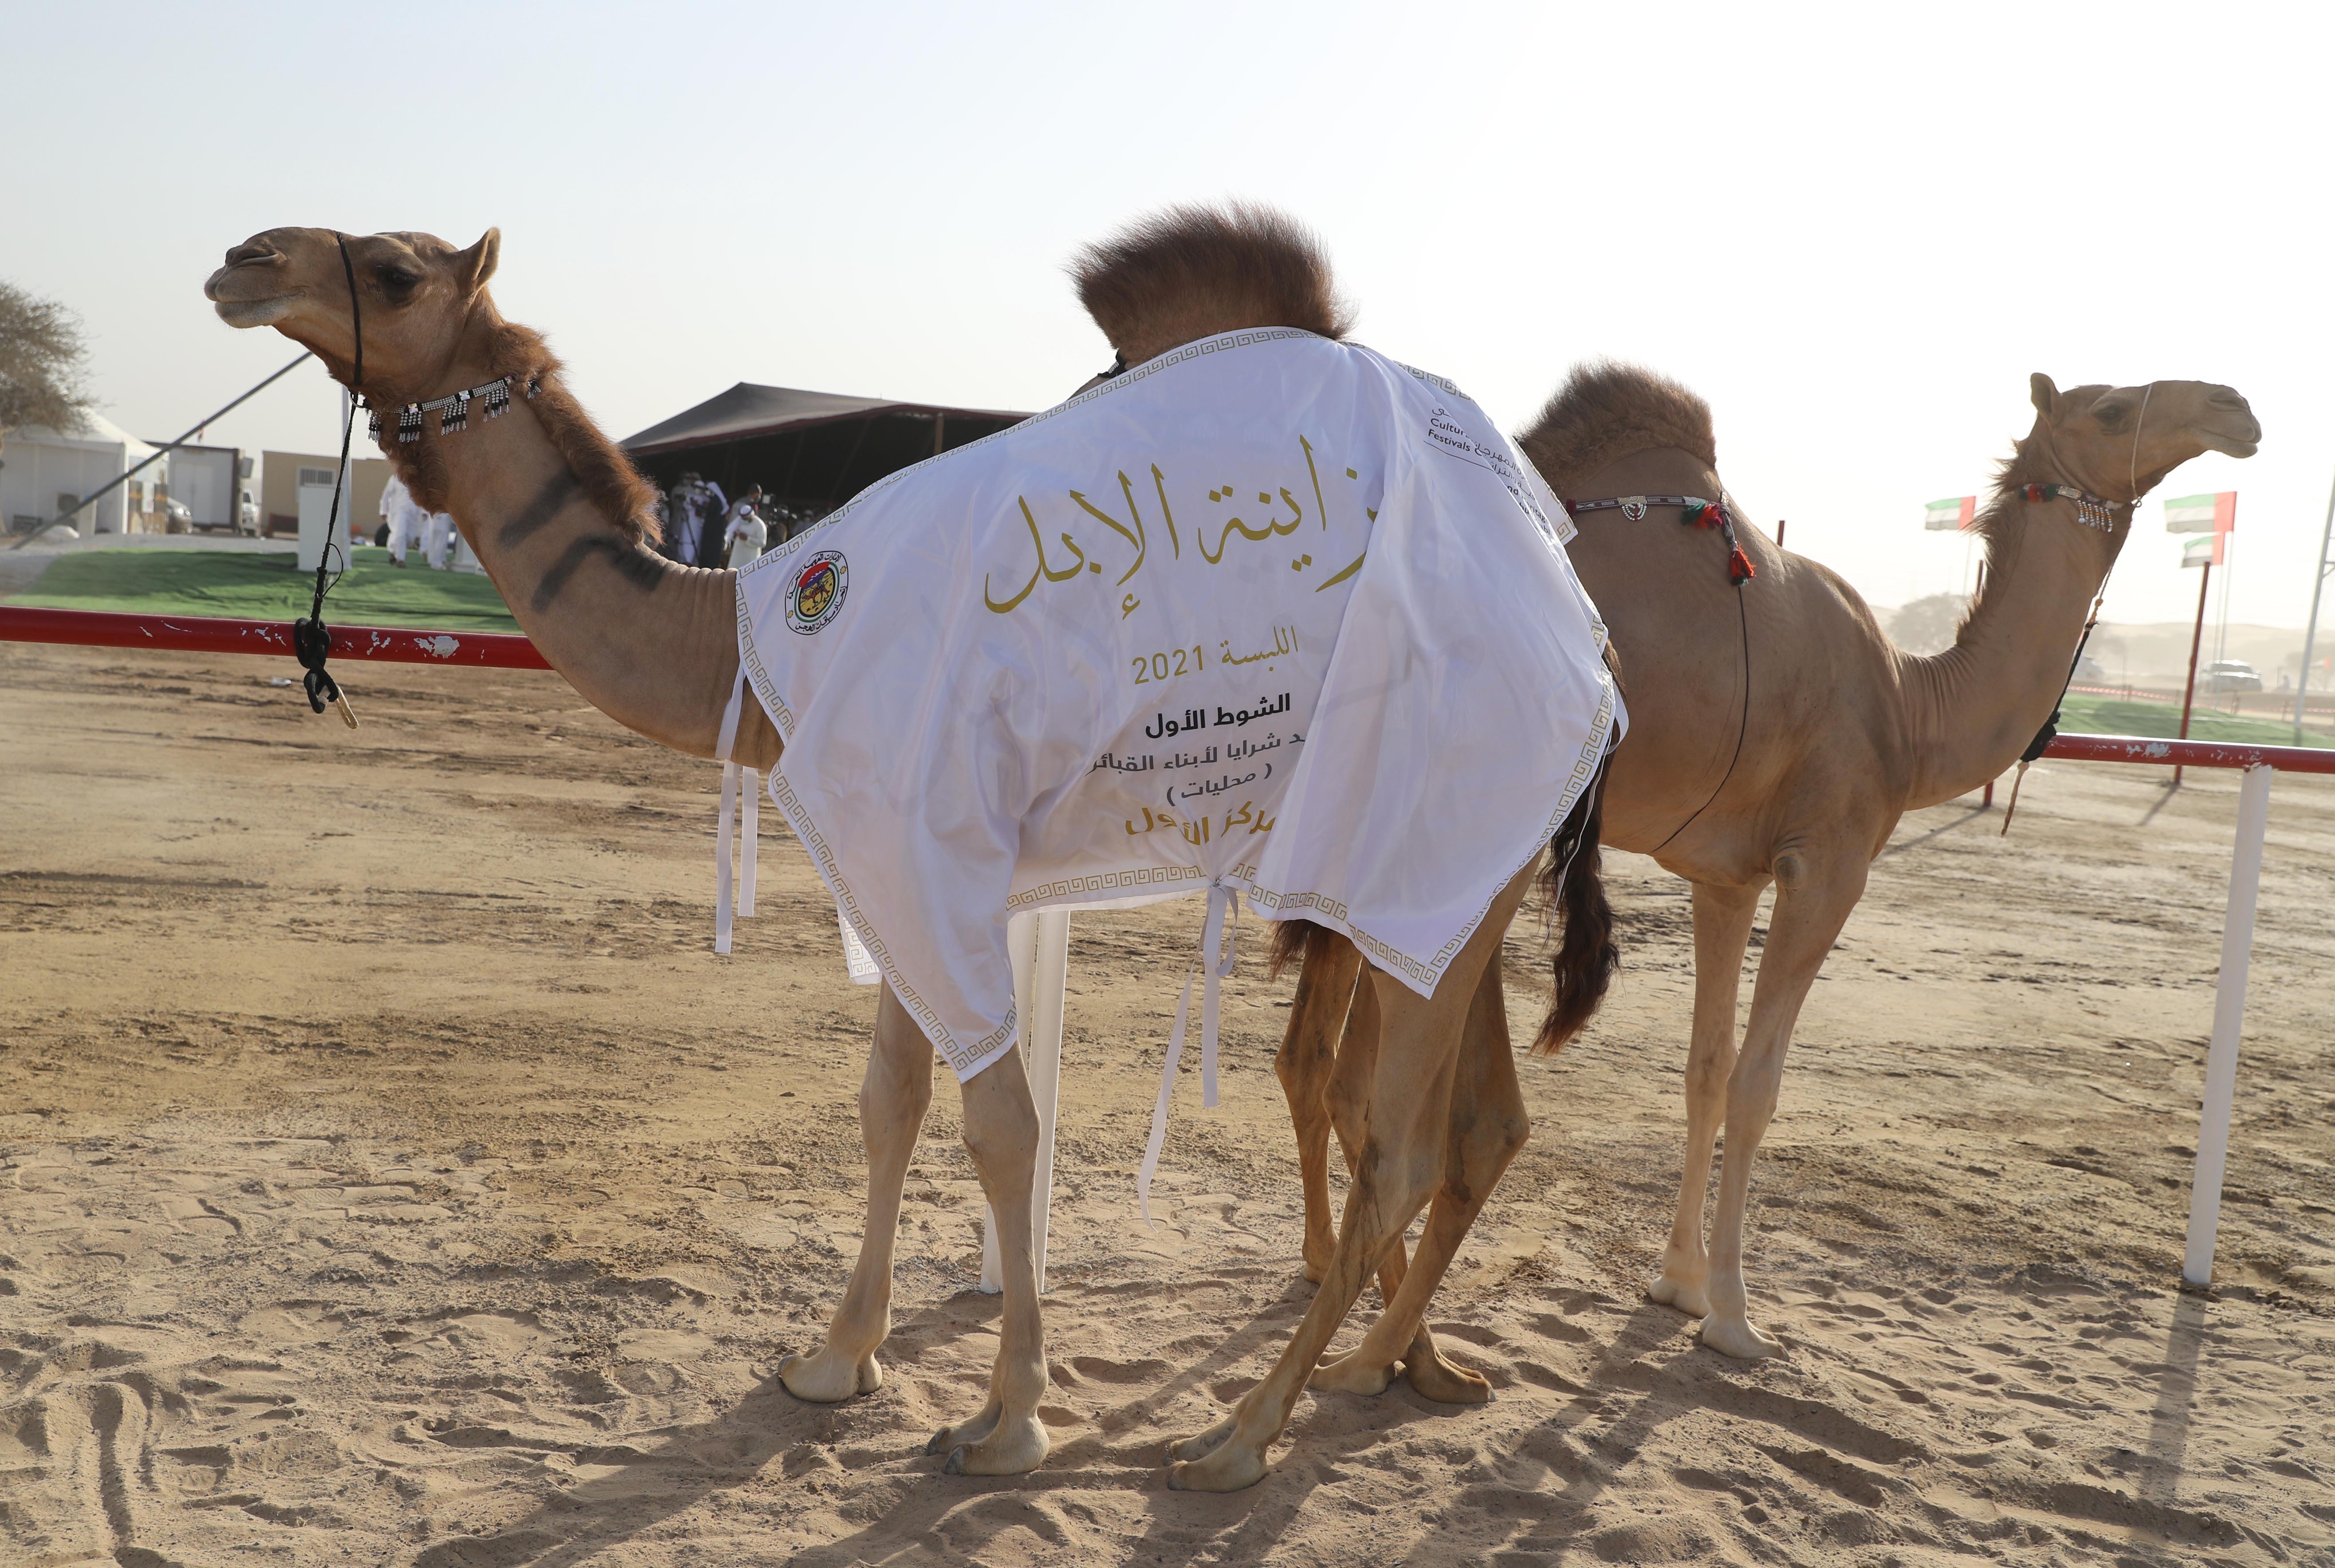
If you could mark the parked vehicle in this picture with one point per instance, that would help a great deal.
(2232, 675)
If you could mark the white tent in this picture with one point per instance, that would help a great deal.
(42, 472)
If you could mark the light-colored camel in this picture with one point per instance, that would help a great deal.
(1843, 732)
(559, 520)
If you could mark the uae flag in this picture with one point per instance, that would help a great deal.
(2188, 514)
(1953, 512)
(2195, 514)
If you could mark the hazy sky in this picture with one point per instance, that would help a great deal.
(1855, 229)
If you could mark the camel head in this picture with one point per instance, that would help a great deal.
(2120, 441)
(419, 298)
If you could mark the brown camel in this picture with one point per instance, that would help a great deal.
(1839, 734)
(559, 521)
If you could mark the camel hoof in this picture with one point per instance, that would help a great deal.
(1014, 1448)
(1228, 1469)
(1736, 1336)
(1351, 1374)
(827, 1377)
(1446, 1382)
(1689, 1296)
(967, 1434)
(1200, 1445)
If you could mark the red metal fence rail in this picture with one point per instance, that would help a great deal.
(218, 635)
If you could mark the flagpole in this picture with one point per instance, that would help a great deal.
(2196, 640)
(2310, 630)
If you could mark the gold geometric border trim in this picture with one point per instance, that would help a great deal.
(1137, 877)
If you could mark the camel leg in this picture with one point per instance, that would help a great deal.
(1347, 1100)
(1001, 1133)
(1722, 928)
(1488, 1124)
(1812, 903)
(893, 1099)
(1308, 1055)
(1400, 1164)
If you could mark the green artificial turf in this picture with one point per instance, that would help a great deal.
(269, 587)
(2114, 716)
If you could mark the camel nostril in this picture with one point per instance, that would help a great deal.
(2226, 399)
(252, 252)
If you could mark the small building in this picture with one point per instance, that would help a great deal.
(44, 473)
(810, 451)
(283, 475)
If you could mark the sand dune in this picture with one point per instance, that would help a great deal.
(389, 1172)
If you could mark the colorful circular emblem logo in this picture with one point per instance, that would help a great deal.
(817, 591)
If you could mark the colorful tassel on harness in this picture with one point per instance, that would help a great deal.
(1739, 569)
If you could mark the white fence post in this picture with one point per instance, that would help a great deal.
(1040, 947)
(2229, 1020)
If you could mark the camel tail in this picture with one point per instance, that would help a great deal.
(1586, 955)
(1296, 942)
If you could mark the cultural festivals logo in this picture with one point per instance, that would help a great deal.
(817, 592)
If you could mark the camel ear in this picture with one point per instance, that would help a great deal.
(476, 264)
(2046, 395)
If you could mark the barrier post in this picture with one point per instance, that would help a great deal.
(2229, 1020)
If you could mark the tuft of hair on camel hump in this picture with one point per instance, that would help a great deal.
(1191, 272)
(1606, 411)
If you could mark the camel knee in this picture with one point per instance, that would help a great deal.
(1395, 1182)
(1481, 1152)
(1708, 1072)
(1300, 1064)
(1004, 1143)
(884, 1094)
(1508, 1135)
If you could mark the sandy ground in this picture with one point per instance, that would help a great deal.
(390, 1173)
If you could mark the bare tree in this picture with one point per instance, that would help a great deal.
(42, 359)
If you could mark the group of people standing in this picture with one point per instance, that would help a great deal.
(704, 528)
(407, 524)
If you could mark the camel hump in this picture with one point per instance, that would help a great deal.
(1191, 272)
(1604, 412)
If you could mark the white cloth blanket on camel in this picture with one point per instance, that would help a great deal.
(1269, 615)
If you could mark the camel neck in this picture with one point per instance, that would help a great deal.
(1973, 709)
(652, 644)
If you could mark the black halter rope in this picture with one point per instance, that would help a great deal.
(1697, 512)
(310, 639)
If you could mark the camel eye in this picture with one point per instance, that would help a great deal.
(397, 282)
(2110, 416)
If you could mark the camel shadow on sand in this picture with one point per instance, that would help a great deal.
(735, 1448)
(1119, 1447)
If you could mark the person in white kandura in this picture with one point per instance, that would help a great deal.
(405, 517)
(697, 504)
(438, 539)
(746, 534)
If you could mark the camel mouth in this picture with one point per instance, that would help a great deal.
(2229, 446)
(265, 312)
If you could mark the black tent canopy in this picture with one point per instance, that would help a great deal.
(810, 451)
